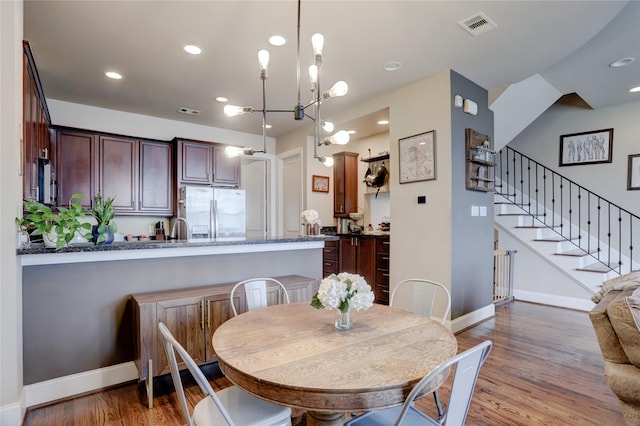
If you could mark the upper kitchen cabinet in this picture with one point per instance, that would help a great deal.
(137, 173)
(205, 163)
(77, 157)
(345, 184)
(118, 171)
(36, 140)
(156, 178)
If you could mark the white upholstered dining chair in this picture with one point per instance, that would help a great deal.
(255, 290)
(230, 406)
(422, 297)
(467, 367)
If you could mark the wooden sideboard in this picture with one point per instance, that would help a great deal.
(192, 315)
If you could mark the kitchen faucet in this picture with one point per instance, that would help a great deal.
(173, 228)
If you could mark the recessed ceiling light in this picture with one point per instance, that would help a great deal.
(351, 132)
(192, 49)
(383, 122)
(222, 99)
(392, 66)
(621, 62)
(267, 126)
(114, 75)
(635, 89)
(277, 40)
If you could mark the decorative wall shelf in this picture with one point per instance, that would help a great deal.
(480, 162)
(379, 157)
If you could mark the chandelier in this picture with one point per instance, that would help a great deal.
(310, 110)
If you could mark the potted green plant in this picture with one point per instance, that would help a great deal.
(57, 229)
(104, 213)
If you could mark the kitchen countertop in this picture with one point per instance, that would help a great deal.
(89, 252)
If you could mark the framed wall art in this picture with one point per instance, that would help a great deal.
(633, 174)
(320, 183)
(586, 148)
(417, 156)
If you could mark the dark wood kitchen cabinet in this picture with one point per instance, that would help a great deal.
(156, 178)
(118, 170)
(368, 256)
(330, 258)
(77, 156)
(202, 162)
(36, 122)
(345, 184)
(381, 288)
(137, 172)
(358, 256)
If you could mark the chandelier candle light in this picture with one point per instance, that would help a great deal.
(299, 110)
(344, 292)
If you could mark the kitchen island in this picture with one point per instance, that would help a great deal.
(77, 313)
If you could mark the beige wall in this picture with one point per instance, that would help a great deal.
(421, 234)
(10, 196)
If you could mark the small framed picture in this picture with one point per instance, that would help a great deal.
(320, 183)
(586, 148)
(417, 156)
(633, 175)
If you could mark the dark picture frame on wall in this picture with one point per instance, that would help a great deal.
(417, 157)
(320, 183)
(633, 173)
(586, 148)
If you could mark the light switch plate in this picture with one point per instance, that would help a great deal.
(483, 210)
(474, 211)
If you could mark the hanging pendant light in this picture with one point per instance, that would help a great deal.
(299, 110)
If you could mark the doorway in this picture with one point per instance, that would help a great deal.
(257, 180)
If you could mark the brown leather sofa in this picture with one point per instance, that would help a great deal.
(619, 340)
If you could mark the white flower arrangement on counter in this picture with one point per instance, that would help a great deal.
(309, 217)
(345, 292)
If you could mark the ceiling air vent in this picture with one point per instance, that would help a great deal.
(188, 111)
(477, 24)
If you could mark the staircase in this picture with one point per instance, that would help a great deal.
(586, 237)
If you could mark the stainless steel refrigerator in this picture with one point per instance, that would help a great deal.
(214, 213)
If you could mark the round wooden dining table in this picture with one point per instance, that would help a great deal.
(292, 355)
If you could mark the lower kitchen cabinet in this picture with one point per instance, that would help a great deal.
(357, 256)
(381, 289)
(193, 315)
(361, 254)
(330, 258)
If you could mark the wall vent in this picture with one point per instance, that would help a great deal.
(477, 24)
(188, 111)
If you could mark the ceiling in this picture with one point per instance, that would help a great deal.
(570, 43)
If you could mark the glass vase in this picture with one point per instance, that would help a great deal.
(343, 320)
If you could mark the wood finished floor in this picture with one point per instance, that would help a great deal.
(545, 369)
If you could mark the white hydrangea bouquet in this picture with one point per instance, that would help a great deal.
(309, 217)
(344, 292)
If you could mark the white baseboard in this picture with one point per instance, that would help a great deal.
(75, 384)
(11, 414)
(553, 300)
(472, 318)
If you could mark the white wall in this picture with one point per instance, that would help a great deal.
(11, 384)
(541, 141)
(143, 126)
